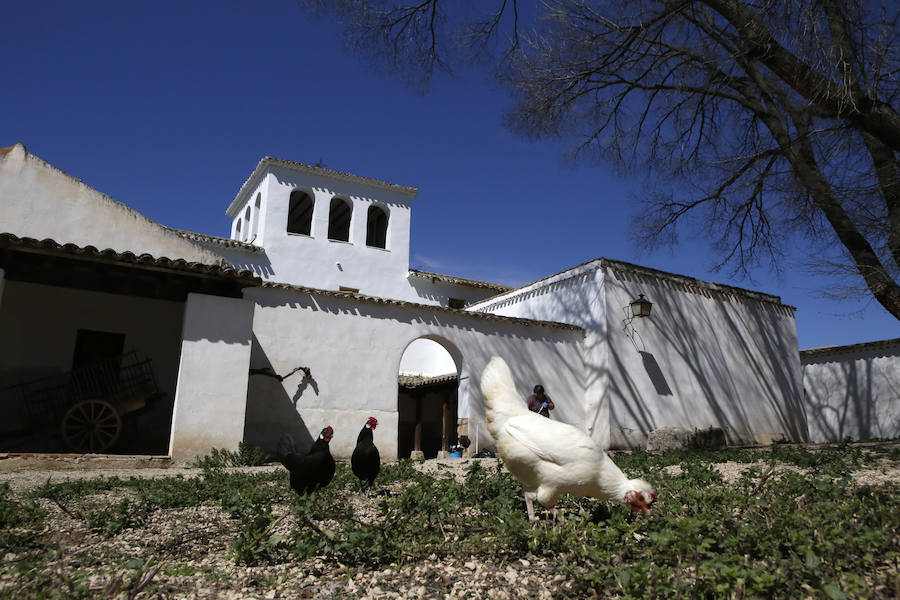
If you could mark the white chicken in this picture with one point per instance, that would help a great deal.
(549, 457)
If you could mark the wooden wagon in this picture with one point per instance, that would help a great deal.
(87, 405)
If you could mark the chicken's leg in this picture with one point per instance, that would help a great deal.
(529, 504)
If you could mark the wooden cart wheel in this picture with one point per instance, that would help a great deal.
(91, 426)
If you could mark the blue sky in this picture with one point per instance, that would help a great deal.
(168, 106)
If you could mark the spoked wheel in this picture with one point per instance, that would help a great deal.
(91, 426)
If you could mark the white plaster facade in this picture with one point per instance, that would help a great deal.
(708, 355)
(852, 391)
(210, 397)
(354, 376)
(355, 316)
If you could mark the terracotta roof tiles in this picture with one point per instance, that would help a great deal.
(225, 271)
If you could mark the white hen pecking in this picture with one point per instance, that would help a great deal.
(548, 457)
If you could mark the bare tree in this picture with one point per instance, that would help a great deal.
(761, 121)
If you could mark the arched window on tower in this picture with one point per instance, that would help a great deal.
(237, 230)
(339, 220)
(256, 216)
(300, 213)
(247, 221)
(376, 227)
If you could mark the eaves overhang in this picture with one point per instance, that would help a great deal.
(49, 262)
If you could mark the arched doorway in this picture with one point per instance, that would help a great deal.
(427, 398)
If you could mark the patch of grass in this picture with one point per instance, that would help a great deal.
(115, 518)
(185, 570)
(255, 542)
(245, 456)
(402, 470)
(774, 533)
(788, 535)
(18, 514)
(215, 485)
(75, 488)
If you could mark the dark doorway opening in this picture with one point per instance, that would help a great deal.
(96, 346)
(427, 415)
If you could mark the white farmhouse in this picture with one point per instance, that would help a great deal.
(123, 335)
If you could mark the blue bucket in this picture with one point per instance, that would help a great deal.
(456, 454)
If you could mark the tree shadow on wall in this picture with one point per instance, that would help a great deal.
(742, 371)
(843, 401)
(272, 408)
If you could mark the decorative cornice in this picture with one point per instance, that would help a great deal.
(257, 174)
(689, 284)
(815, 353)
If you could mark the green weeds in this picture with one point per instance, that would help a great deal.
(793, 524)
(14, 513)
(245, 456)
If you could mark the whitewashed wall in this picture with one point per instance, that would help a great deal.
(574, 296)
(354, 363)
(852, 392)
(703, 358)
(40, 201)
(211, 396)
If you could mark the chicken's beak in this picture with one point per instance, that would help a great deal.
(637, 502)
(640, 506)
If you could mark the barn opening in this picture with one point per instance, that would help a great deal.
(93, 343)
(427, 399)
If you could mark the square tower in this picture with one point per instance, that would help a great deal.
(326, 229)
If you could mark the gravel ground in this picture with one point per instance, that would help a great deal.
(192, 545)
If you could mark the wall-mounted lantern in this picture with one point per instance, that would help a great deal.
(637, 308)
(641, 307)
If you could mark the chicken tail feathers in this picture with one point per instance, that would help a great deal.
(501, 400)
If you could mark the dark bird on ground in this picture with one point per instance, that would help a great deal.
(365, 461)
(314, 470)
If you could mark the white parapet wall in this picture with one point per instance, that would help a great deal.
(211, 397)
(354, 363)
(852, 391)
(40, 201)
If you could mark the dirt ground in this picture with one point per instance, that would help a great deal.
(199, 566)
(22, 472)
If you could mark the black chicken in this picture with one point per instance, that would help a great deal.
(313, 471)
(365, 461)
